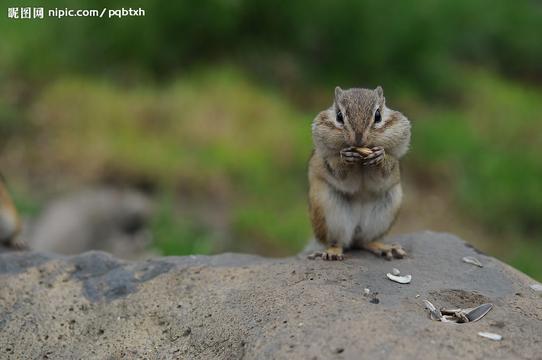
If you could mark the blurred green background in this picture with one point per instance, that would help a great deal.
(209, 104)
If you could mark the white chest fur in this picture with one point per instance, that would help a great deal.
(352, 220)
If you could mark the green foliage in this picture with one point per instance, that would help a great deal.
(174, 235)
(491, 150)
(350, 42)
(211, 130)
(525, 256)
(25, 204)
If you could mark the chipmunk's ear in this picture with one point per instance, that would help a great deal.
(338, 92)
(379, 91)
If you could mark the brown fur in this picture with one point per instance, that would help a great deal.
(336, 184)
(10, 222)
(316, 212)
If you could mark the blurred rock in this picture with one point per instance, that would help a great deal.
(234, 306)
(108, 219)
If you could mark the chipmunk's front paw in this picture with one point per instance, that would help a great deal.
(350, 155)
(386, 250)
(376, 157)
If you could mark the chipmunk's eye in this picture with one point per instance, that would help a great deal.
(340, 119)
(378, 117)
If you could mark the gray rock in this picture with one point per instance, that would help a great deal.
(107, 219)
(233, 306)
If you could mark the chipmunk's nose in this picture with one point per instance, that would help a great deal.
(359, 140)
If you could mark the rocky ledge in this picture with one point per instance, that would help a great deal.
(234, 306)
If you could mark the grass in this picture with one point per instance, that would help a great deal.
(174, 235)
(234, 145)
(491, 146)
(209, 130)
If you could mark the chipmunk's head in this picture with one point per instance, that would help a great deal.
(359, 117)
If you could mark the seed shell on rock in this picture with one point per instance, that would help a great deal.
(491, 336)
(434, 312)
(472, 260)
(400, 279)
(478, 312)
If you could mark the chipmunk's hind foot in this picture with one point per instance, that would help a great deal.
(386, 250)
(331, 253)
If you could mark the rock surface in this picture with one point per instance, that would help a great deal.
(232, 306)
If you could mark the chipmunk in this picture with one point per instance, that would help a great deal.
(354, 179)
(10, 223)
